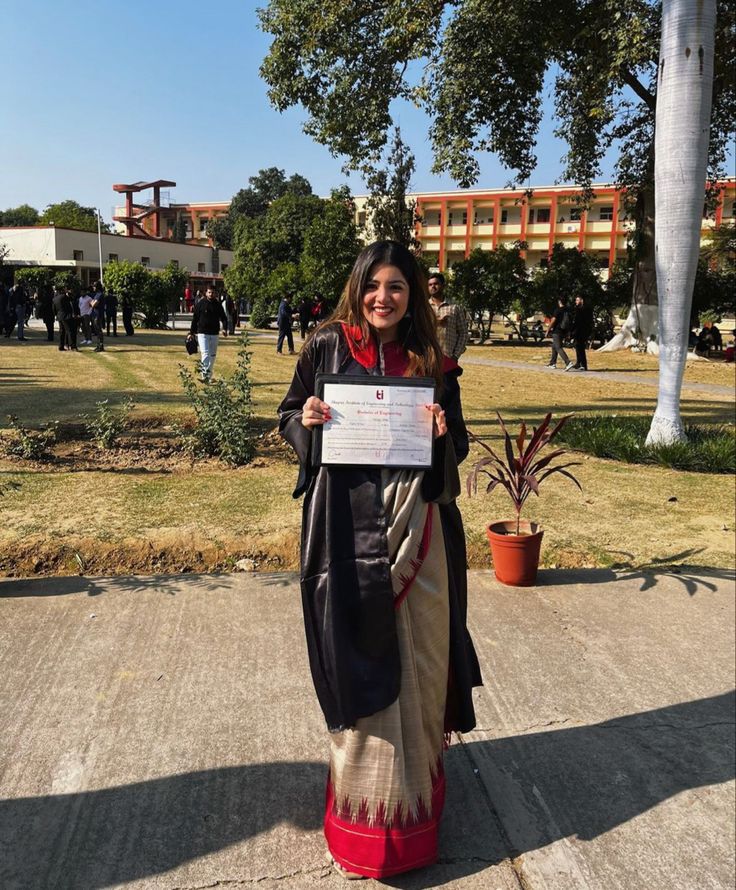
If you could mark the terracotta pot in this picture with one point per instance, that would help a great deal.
(515, 557)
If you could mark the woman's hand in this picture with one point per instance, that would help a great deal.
(315, 412)
(440, 424)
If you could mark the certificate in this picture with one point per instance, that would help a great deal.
(376, 421)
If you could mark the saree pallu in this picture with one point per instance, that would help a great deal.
(386, 785)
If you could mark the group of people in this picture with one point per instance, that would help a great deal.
(571, 323)
(309, 312)
(91, 313)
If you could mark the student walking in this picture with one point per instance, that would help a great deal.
(283, 319)
(207, 318)
(558, 329)
(383, 578)
(582, 328)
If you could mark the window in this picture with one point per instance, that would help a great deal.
(576, 214)
(606, 214)
(200, 267)
(483, 216)
(457, 218)
(531, 214)
(145, 260)
(78, 255)
(603, 261)
(362, 218)
(504, 217)
(203, 220)
(543, 214)
(432, 218)
(112, 258)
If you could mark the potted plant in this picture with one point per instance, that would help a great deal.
(515, 544)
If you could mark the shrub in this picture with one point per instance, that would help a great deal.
(260, 315)
(223, 413)
(108, 422)
(28, 444)
(709, 449)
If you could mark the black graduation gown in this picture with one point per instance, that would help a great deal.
(347, 595)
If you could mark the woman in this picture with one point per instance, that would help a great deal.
(383, 581)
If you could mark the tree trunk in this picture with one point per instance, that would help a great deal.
(640, 328)
(684, 95)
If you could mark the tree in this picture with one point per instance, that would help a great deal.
(331, 246)
(684, 98)
(569, 272)
(23, 215)
(491, 282)
(71, 215)
(152, 293)
(719, 250)
(391, 215)
(484, 87)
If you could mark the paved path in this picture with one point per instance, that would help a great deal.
(163, 733)
(614, 376)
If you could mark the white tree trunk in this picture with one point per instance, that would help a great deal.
(639, 327)
(684, 93)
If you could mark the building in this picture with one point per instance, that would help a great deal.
(452, 224)
(157, 217)
(79, 250)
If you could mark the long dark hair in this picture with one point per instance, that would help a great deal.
(417, 329)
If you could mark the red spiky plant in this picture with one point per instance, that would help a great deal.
(521, 475)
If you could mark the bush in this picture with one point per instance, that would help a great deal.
(108, 422)
(28, 444)
(260, 315)
(223, 411)
(709, 449)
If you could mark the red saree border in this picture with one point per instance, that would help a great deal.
(380, 852)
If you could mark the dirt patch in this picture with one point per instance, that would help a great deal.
(174, 553)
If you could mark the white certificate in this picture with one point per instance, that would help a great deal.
(377, 421)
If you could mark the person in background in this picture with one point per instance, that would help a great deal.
(64, 308)
(231, 313)
(305, 315)
(46, 309)
(188, 299)
(582, 328)
(452, 330)
(111, 313)
(85, 315)
(558, 329)
(17, 306)
(127, 309)
(207, 318)
(284, 323)
(97, 317)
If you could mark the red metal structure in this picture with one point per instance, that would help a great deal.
(136, 213)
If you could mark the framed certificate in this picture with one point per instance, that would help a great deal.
(376, 421)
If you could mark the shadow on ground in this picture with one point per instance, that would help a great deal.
(580, 782)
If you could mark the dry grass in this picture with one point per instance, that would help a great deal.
(204, 516)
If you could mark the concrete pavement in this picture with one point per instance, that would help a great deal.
(163, 733)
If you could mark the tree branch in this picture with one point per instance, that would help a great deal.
(641, 91)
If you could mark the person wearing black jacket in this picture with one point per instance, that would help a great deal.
(559, 329)
(66, 316)
(46, 309)
(207, 318)
(582, 328)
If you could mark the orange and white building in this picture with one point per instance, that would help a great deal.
(453, 224)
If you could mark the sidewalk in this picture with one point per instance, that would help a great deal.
(163, 733)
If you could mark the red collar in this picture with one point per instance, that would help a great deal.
(365, 352)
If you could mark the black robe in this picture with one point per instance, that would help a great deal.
(347, 596)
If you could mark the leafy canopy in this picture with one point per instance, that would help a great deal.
(23, 215)
(480, 68)
(71, 215)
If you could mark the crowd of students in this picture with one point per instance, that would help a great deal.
(88, 315)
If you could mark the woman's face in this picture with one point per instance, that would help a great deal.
(385, 301)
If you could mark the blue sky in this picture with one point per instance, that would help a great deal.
(104, 92)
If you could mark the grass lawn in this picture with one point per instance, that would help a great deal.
(144, 508)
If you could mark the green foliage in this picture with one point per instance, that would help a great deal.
(569, 272)
(108, 422)
(152, 293)
(391, 215)
(220, 230)
(709, 449)
(719, 250)
(23, 215)
(491, 282)
(331, 246)
(261, 313)
(33, 277)
(71, 215)
(65, 278)
(714, 292)
(28, 444)
(223, 413)
(264, 188)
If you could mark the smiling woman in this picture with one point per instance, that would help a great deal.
(383, 581)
